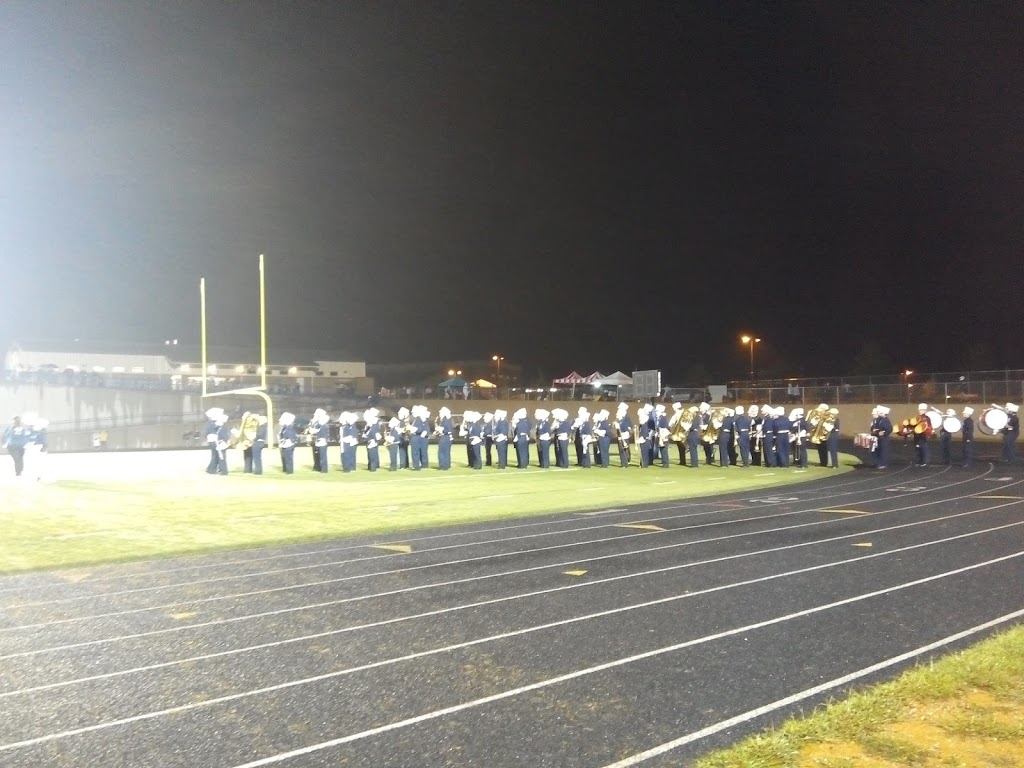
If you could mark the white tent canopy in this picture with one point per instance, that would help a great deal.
(617, 379)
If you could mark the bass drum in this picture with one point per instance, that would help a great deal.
(951, 424)
(992, 420)
(934, 418)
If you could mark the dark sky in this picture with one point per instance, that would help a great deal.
(572, 185)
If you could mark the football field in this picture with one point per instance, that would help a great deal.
(107, 507)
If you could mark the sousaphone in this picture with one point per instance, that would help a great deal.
(245, 435)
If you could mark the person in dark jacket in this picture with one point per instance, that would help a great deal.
(967, 436)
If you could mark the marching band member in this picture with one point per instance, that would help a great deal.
(581, 415)
(653, 449)
(783, 428)
(286, 438)
(643, 440)
(821, 411)
(603, 433)
(732, 447)
(499, 435)
(1010, 432)
(725, 437)
(595, 444)
(246, 455)
(561, 428)
(258, 444)
(420, 438)
(884, 430)
(542, 427)
(756, 435)
(876, 416)
(17, 436)
(475, 437)
(967, 436)
(521, 428)
(799, 431)
(349, 440)
(464, 433)
(443, 429)
(921, 439)
(694, 435)
(223, 441)
(705, 422)
(677, 415)
(320, 427)
(741, 423)
(662, 434)
(586, 432)
(946, 439)
(624, 427)
(393, 442)
(373, 435)
(487, 433)
(211, 440)
(833, 439)
(768, 438)
(557, 429)
(403, 445)
(35, 449)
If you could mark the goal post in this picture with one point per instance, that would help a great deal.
(257, 391)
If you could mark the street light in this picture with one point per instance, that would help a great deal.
(751, 340)
(497, 361)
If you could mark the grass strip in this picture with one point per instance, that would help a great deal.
(966, 709)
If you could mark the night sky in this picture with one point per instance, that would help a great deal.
(571, 185)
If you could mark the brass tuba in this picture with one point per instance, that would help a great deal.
(680, 425)
(822, 423)
(715, 421)
(245, 435)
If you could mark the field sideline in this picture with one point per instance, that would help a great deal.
(110, 507)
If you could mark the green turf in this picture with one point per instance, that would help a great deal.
(77, 523)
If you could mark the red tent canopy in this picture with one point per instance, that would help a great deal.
(572, 378)
(595, 376)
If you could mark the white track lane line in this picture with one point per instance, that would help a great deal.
(457, 562)
(752, 714)
(358, 547)
(221, 579)
(495, 601)
(508, 694)
(461, 581)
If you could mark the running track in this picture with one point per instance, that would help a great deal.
(573, 640)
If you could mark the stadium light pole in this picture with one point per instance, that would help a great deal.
(497, 360)
(751, 340)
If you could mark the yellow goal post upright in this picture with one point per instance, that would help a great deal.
(261, 390)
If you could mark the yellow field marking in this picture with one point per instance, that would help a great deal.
(845, 511)
(641, 526)
(184, 615)
(405, 549)
(574, 573)
(999, 497)
(863, 544)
